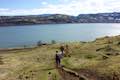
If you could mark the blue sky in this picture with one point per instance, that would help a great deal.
(25, 4)
(70, 7)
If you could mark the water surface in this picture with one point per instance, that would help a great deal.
(15, 36)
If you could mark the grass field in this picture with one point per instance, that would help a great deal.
(100, 56)
(28, 64)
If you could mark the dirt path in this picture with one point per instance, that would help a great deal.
(68, 74)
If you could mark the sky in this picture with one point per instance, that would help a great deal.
(69, 7)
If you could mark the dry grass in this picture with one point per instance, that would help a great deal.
(34, 64)
(85, 56)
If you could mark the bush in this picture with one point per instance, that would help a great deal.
(89, 56)
(39, 43)
(53, 42)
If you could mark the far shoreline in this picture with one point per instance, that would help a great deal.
(52, 24)
(47, 44)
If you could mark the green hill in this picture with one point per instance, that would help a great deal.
(96, 60)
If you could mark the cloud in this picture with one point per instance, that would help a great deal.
(70, 7)
(44, 3)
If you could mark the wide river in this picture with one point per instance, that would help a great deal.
(17, 36)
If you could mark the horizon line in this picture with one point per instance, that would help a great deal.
(59, 14)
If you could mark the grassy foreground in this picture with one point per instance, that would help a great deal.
(100, 56)
(28, 64)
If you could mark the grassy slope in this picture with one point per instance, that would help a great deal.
(33, 64)
(85, 56)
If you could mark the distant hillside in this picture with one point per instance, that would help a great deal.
(99, 18)
(60, 18)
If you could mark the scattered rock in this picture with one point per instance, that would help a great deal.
(105, 57)
(26, 77)
(108, 50)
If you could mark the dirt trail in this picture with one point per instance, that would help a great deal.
(68, 74)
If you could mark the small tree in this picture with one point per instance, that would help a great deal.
(53, 42)
(39, 43)
(25, 46)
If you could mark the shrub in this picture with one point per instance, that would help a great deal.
(90, 56)
(53, 42)
(39, 43)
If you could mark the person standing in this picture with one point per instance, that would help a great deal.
(62, 49)
(58, 59)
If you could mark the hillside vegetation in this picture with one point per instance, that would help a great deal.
(60, 18)
(28, 64)
(99, 59)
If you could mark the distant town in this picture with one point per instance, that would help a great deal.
(60, 18)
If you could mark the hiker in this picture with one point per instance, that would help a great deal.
(62, 49)
(58, 57)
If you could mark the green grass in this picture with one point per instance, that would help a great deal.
(36, 63)
(84, 56)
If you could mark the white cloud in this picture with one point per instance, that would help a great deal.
(44, 3)
(71, 7)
